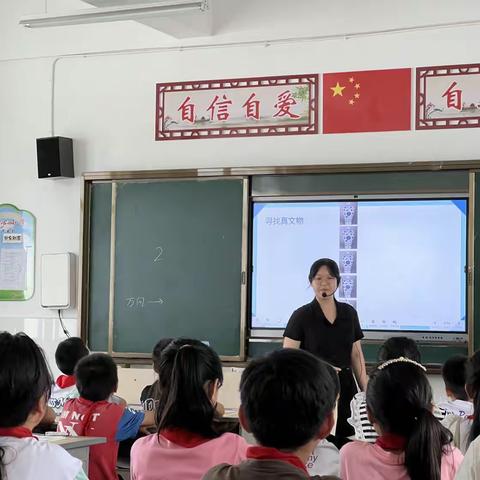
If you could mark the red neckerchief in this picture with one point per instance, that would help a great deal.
(267, 453)
(65, 381)
(17, 432)
(391, 441)
(183, 438)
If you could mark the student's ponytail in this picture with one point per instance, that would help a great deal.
(399, 398)
(188, 372)
(425, 447)
(473, 391)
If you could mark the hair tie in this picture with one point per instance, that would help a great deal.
(422, 412)
(400, 360)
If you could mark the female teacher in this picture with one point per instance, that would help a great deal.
(331, 331)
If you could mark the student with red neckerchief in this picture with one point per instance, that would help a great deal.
(25, 383)
(93, 415)
(186, 444)
(67, 355)
(287, 402)
(412, 443)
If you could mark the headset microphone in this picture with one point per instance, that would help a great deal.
(325, 294)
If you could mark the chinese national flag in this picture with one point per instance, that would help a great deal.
(367, 101)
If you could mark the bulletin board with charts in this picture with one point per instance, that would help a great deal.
(17, 253)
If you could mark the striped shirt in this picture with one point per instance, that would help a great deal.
(364, 430)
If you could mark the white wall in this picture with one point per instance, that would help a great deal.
(106, 102)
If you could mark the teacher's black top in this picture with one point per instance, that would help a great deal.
(331, 342)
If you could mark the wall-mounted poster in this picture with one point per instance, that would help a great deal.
(17, 253)
(241, 107)
(448, 96)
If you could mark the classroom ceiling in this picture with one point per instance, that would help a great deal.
(230, 21)
(284, 18)
(114, 3)
(184, 25)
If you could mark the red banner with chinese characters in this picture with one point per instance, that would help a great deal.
(242, 107)
(367, 101)
(448, 96)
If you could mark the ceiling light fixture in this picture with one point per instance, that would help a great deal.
(115, 14)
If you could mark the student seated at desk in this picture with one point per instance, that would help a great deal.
(149, 395)
(287, 402)
(25, 383)
(460, 410)
(92, 415)
(412, 443)
(454, 373)
(186, 444)
(67, 355)
(394, 347)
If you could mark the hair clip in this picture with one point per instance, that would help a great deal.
(401, 360)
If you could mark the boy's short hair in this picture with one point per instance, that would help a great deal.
(286, 397)
(454, 373)
(97, 377)
(159, 347)
(396, 347)
(68, 353)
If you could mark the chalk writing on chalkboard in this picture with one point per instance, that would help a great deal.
(135, 302)
(160, 301)
(139, 302)
(159, 254)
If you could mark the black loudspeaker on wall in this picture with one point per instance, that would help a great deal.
(55, 157)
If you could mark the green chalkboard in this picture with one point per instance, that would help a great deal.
(99, 262)
(177, 268)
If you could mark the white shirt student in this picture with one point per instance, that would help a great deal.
(461, 408)
(458, 419)
(30, 458)
(460, 428)
(324, 460)
(24, 387)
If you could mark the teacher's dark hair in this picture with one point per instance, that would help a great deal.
(286, 397)
(187, 370)
(399, 397)
(24, 380)
(324, 262)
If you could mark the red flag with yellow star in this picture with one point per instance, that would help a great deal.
(367, 101)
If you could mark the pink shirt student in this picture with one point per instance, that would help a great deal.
(179, 454)
(366, 461)
(412, 444)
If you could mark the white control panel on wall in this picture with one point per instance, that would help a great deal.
(58, 280)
